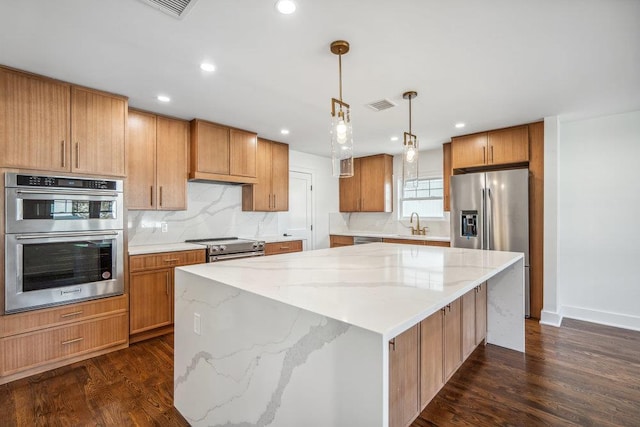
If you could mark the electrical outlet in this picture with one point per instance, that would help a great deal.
(196, 324)
(164, 227)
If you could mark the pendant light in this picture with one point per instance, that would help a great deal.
(410, 152)
(341, 131)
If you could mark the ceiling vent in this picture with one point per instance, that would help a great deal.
(175, 8)
(383, 104)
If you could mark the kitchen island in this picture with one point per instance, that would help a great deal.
(303, 339)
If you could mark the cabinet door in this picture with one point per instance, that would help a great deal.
(447, 171)
(34, 122)
(209, 148)
(151, 300)
(242, 153)
(403, 378)
(350, 190)
(508, 145)
(141, 161)
(171, 159)
(280, 176)
(98, 124)
(468, 151)
(339, 241)
(468, 323)
(375, 183)
(261, 192)
(481, 313)
(431, 351)
(452, 338)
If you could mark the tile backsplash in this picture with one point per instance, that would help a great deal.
(213, 210)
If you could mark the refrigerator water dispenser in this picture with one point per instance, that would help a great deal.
(469, 223)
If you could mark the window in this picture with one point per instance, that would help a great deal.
(425, 199)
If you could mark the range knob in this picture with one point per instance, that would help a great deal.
(223, 248)
(255, 245)
(214, 249)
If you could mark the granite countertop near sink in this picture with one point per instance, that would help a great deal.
(392, 236)
(166, 247)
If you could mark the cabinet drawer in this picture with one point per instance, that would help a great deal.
(337, 241)
(22, 352)
(283, 247)
(437, 243)
(19, 323)
(403, 241)
(165, 259)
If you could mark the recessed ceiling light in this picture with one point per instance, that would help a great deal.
(459, 125)
(205, 66)
(163, 98)
(284, 131)
(394, 138)
(286, 7)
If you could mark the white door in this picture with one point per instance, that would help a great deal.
(301, 207)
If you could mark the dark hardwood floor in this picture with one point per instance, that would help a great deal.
(580, 374)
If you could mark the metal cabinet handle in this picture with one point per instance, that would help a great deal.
(167, 284)
(77, 155)
(160, 196)
(171, 259)
(75, 313)
(392, 344)
(492, 154)
(64, 157)
(72, 341)
(151, 195)
(284, 247)
(484, 154)
(274, 201)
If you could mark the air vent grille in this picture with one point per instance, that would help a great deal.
(175, 8)
(383, 104)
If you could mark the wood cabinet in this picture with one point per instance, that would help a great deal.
(404, 378)
(447, 171)
(220, 153)
(474, 319)
(415, 242)
(371, 188)
(275, 248)
(498, 147)
(151, 291)
(40, 340)
(54, 126)
(431, 357)
(271, 193)
(452, 338)
(156, 162)
(336, 241)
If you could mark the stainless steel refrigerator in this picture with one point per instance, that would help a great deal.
(490, 210)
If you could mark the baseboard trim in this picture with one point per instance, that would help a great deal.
(602, 317)
(550, 318)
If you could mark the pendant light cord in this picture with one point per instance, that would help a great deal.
(340, 74)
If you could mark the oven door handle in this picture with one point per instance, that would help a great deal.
(47, 235)
(235, 256)
(69, 192)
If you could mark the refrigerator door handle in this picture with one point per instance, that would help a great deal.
(483, 235)
(489, 215)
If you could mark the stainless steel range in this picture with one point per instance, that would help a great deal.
(226, 248)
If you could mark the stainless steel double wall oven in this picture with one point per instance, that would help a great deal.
(63, 240)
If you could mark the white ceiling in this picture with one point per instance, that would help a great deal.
(490, 64)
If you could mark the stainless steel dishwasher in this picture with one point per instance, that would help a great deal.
(361, 240)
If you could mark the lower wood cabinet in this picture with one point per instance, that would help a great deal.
(415, 242)
(431, 357)
(452, 338)
(338, 241)
(151, 290)
(404, 378)
(275, 248)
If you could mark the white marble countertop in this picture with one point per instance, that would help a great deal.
(166, 247)
(392, 236)
(382, 287)
(275, 238)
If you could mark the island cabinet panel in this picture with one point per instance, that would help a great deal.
(276, 248)
(98, 128)
(271, 192)
(151, 291)
(221, 153)
(370, 189)
(481, 313)
(493, 148)
(431, 360)
(404, 378)
(452, 338)
(338, 241)
(34, 122)
(468, 323)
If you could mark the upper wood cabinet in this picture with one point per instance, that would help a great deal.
(156, 162)
(498, 147)
(220, 153)
(447, 171)
(371, 188)
(271, 193)
(50, 125)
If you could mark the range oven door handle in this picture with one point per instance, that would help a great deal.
(215, 258)
(47, 235)
(69, 192)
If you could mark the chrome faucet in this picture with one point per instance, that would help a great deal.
(417, 230)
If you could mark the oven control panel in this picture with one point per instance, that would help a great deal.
(65, 182)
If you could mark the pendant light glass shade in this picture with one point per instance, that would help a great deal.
(410, 154)
(340, 131)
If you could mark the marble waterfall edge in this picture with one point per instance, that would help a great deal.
(256, 362)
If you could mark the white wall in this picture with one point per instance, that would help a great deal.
(599, 220)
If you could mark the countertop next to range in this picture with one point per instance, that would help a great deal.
(392, 236)
(175, 247)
